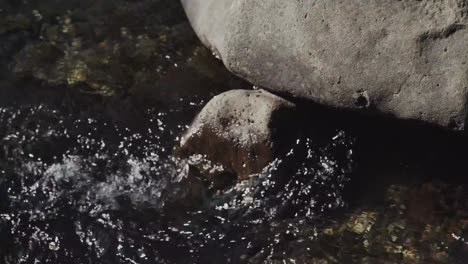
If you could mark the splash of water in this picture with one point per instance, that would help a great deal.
(83, 189)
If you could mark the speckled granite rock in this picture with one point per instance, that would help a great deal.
(402, 58)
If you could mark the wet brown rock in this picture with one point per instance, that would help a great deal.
(242, 130)
(188, 190)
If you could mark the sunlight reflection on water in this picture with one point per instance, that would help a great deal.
(88, 189)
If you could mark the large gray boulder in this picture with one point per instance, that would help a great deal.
(402, 58)
(240, 131)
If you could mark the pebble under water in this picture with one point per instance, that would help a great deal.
(78, 189)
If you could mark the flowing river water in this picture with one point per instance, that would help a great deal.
(94, 96)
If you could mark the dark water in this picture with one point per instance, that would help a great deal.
(93, 98)
(82, 189)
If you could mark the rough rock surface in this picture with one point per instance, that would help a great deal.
(242, 130)
(402, 58)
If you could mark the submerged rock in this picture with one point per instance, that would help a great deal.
(398, 232)
(403, 58)
(242, 130)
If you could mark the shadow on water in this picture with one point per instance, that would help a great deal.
(390, 151)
